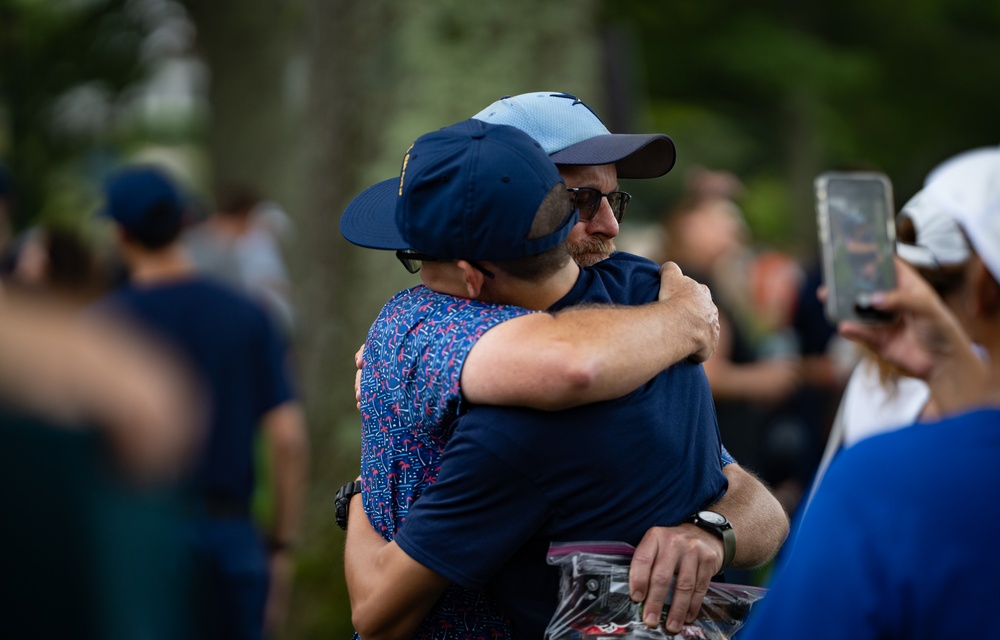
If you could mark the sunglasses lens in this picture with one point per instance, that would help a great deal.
(618, 200)
(588, 201)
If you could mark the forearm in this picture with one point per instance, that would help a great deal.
(390, 593)
(757, 517)
(580, 356)
(361, 550)
(288, 448)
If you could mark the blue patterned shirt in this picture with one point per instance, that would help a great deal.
(410, 398)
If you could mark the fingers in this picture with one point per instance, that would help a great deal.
(357, 388)
(642, 562)
(676, 563)
(651, 575)
(670, 270)
(359, 357)
(693, 578)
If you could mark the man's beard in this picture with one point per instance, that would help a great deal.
(592, 250)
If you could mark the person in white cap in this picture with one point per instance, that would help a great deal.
(878, 398)
(896, 541)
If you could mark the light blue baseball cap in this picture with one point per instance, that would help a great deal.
(571, 133)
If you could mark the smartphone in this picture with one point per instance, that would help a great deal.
(857, 236)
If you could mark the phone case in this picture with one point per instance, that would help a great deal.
(856, 224)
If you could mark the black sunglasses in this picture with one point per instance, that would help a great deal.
(588, 201)
(411, 262)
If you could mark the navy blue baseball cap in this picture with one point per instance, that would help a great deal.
(469, 191)
(142, 199)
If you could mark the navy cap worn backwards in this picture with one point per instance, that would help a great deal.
(468, 191)
(141, 197)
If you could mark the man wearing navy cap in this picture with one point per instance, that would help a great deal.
(242, 363)
(465, 204)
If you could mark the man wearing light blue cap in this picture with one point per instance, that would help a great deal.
(590, 158)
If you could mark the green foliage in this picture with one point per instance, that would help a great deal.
(779, 92)
(46, 50)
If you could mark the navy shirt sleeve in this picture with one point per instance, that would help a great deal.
(479, 513)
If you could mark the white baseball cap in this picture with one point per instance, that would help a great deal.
(967, 187)
(939, 241)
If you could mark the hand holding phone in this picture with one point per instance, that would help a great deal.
(857, 239)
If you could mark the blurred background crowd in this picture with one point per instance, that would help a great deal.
(271, 115)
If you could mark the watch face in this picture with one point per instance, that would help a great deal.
(712, 517)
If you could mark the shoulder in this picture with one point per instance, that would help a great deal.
(420, 304)
(620, 261)
(957, 447)
(628, 279)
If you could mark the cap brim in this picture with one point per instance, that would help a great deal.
(370, 219)
(916, 255)
(635, 155)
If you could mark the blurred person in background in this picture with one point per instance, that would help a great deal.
(55, 262)
(243, 366)
(868, 558)
(96, 427)
(239, 244)
(755, 369)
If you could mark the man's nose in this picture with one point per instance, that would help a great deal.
(603, 222)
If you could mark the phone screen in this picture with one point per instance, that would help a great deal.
(857, 236)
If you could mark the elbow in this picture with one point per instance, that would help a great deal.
(575, 378)
(369, 627)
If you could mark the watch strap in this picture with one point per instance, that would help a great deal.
(342, 501)
(722, 531)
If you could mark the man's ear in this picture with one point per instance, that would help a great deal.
(473, 278)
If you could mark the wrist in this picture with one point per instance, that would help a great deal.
(716, 524)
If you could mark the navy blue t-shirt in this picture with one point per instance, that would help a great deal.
(514, 480)
(237, 353)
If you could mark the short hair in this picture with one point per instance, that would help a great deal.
(237, 199)
(160, 226)
(550, 216)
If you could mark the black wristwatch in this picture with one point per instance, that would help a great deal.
(717, 524)
(343, 501)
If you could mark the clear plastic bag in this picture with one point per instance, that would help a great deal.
(594, 602)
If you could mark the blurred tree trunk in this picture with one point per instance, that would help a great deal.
(291, 88)
(247, 47)
(349, 76)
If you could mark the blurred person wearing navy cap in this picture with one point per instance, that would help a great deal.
(483, 214)
(883, 551)
(242, 364)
